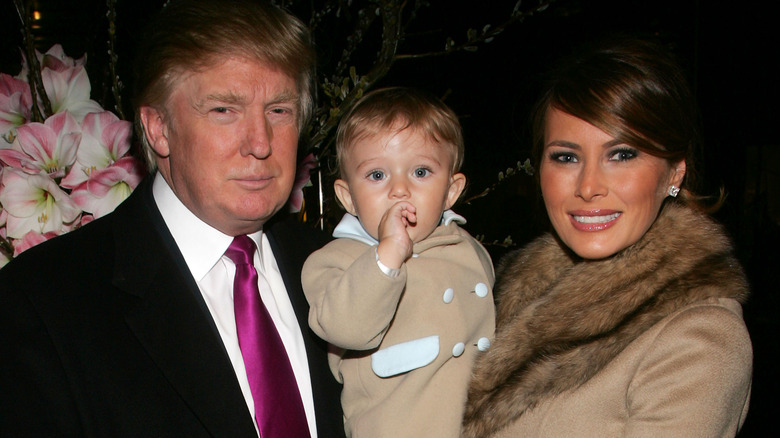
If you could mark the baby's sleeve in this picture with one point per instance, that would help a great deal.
(352, 302)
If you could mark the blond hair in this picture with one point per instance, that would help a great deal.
(190, 35)
(399, 108)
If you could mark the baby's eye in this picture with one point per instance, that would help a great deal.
(623, 154)
(421, 172)
(376, 175)
(563, 157)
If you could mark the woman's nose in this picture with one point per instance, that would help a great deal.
(591, 182)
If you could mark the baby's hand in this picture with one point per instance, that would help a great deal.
(395, 245)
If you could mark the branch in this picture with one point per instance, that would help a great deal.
(390, 12)
(34, 78)
(474, 38)
(525, 166)
(116, 84)
(6, 248)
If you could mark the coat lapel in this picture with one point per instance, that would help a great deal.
(291, 244)
(171, 319)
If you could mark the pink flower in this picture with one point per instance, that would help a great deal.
(302, 179)
(35, 203)
(49, 147)
(65, 81)
(31, 239)
(15, 106)
(68, 88)
(104, 140)
(107, 188)
(56, 51)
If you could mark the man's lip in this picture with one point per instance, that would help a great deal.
(594, 220)
(253, 181)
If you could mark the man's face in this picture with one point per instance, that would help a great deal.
(227, 143)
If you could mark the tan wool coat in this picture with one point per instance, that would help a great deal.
(647, 343)
(406, 343)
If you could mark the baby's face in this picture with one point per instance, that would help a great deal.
(386, 168)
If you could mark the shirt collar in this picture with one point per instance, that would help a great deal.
(200, 244)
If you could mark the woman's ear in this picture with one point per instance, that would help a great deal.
(345, 196)
(457, 184)
(155, 129)
(678, 173)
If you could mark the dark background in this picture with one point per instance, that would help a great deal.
(728, 49)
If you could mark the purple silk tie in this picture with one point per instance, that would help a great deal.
(278, 406)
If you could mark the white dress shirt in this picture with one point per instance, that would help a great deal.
(203, 248)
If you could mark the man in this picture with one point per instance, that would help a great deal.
(126, 326)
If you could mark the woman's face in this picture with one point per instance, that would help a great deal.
(601, 195)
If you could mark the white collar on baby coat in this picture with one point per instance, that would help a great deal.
(351, 228)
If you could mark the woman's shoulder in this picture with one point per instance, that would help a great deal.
(707, 337)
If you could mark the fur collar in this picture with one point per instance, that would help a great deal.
(561, 319)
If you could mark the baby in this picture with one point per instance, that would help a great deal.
(404, 294)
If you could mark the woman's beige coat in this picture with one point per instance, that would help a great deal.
(647, 343)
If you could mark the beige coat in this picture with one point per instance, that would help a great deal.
(410, 340)
(647, 343)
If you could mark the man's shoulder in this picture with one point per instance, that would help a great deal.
(287, 231)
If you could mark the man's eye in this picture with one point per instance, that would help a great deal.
(376, 175)
(220, 109)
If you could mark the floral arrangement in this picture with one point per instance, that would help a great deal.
(62, 172)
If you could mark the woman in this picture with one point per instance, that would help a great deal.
(626, 321)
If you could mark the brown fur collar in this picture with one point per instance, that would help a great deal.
(561, 319)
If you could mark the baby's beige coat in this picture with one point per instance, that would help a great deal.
(647, 343)
(360, 309)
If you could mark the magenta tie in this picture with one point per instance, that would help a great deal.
(278, 406)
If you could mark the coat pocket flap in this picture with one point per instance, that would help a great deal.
(406, 356)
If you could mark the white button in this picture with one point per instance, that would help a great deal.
(449, 294)
(483, 344)
(458, 349)
(481, 290)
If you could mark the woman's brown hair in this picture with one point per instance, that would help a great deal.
(635, 91)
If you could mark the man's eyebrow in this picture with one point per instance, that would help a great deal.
(286, 96)
(226, 97)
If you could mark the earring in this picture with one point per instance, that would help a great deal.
(673, 191)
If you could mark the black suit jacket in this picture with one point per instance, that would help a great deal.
(103, 332)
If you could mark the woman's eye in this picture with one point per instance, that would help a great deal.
(376, 175)
(623, 154)
(563, 157)
(421, 172)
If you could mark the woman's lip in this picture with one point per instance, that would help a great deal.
(594, 220)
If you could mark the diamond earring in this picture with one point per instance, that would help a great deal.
(673, 191)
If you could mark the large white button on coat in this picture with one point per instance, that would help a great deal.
(449, 294)
(458, 349)
(481, 290)
(483, 344)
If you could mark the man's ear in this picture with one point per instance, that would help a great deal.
(345, 197)
(155, 129)
(457, 184)
(678, 173)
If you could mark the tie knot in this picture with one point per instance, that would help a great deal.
(241, 250)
